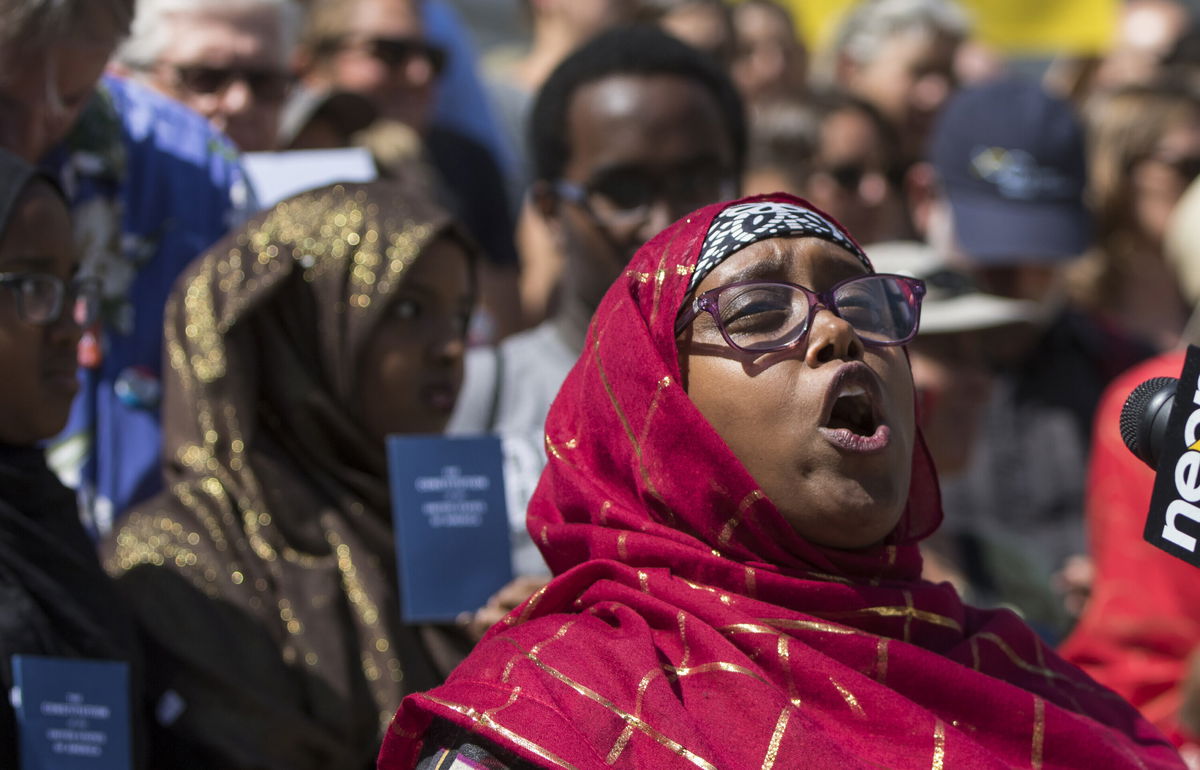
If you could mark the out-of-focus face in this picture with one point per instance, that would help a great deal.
(231, 67)
(43, 93)
(1158, 182)
(850, 177)
(702, 26)
(770, 59)
(645, 150)
(587, 18)
(386, 58)
(1146, 32)
(799, 419)
(908, 80)
(411, 368)
(39, 361)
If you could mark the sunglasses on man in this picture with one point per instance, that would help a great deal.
(267, 85)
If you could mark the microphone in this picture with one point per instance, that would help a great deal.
(1160, 423)
(1145, 416)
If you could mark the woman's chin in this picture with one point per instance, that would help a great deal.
(850, 518)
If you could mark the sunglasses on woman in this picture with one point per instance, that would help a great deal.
(763, 316)
(392, 51)
(41, 298)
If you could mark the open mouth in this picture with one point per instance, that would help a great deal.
(856, 422)
(854, 411)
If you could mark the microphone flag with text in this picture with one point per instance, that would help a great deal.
(1160, 423)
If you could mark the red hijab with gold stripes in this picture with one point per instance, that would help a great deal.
(688, 625)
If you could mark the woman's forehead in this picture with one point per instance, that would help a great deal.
(754, 220)
(785, 258)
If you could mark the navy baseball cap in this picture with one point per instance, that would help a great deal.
(1010, 158)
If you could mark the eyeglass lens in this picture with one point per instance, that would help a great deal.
(396, 52)
(630, 193)
(883, 309)
(40, 299)
(267, 85)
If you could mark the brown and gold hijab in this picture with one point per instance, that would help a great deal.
(265, 572)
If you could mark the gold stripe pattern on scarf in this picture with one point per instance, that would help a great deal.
(1039, 732)
(630, 719)
(776, 739)
(486, 722)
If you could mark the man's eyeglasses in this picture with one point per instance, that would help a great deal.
(625, 199)
(41, 298)
(762, 316)
(267, 85)
(394, 51)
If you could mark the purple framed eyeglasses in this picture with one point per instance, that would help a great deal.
(762, 316)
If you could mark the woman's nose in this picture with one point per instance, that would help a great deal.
(66, 330)
(873, 188)
(831, 338)
(932, 91)
(419, 72)
(449, 346)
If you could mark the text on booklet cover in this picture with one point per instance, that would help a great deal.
(72, 714)
(452, 542)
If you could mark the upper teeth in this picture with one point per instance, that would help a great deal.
(852, 390)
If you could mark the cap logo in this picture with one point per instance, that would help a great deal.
(1018, 176)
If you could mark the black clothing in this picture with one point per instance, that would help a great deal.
(55, 600)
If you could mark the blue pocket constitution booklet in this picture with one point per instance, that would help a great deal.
(72, 714)
(452, 542)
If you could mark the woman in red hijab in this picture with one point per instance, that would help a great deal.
(732, 506)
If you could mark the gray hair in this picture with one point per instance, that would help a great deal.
(868, 25)
(30, 24)
(151, 33)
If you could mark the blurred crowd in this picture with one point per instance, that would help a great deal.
(239, 365)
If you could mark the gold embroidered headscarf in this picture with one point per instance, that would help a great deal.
(264, 575)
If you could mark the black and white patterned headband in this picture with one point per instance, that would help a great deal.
(742, 224)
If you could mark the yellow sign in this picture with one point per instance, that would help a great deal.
(1039, 27)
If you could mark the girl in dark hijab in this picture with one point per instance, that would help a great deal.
(264, 576)
(54, 598)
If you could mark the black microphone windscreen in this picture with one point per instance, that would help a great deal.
(1144, 418)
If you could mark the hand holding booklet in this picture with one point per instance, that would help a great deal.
(452, 541)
